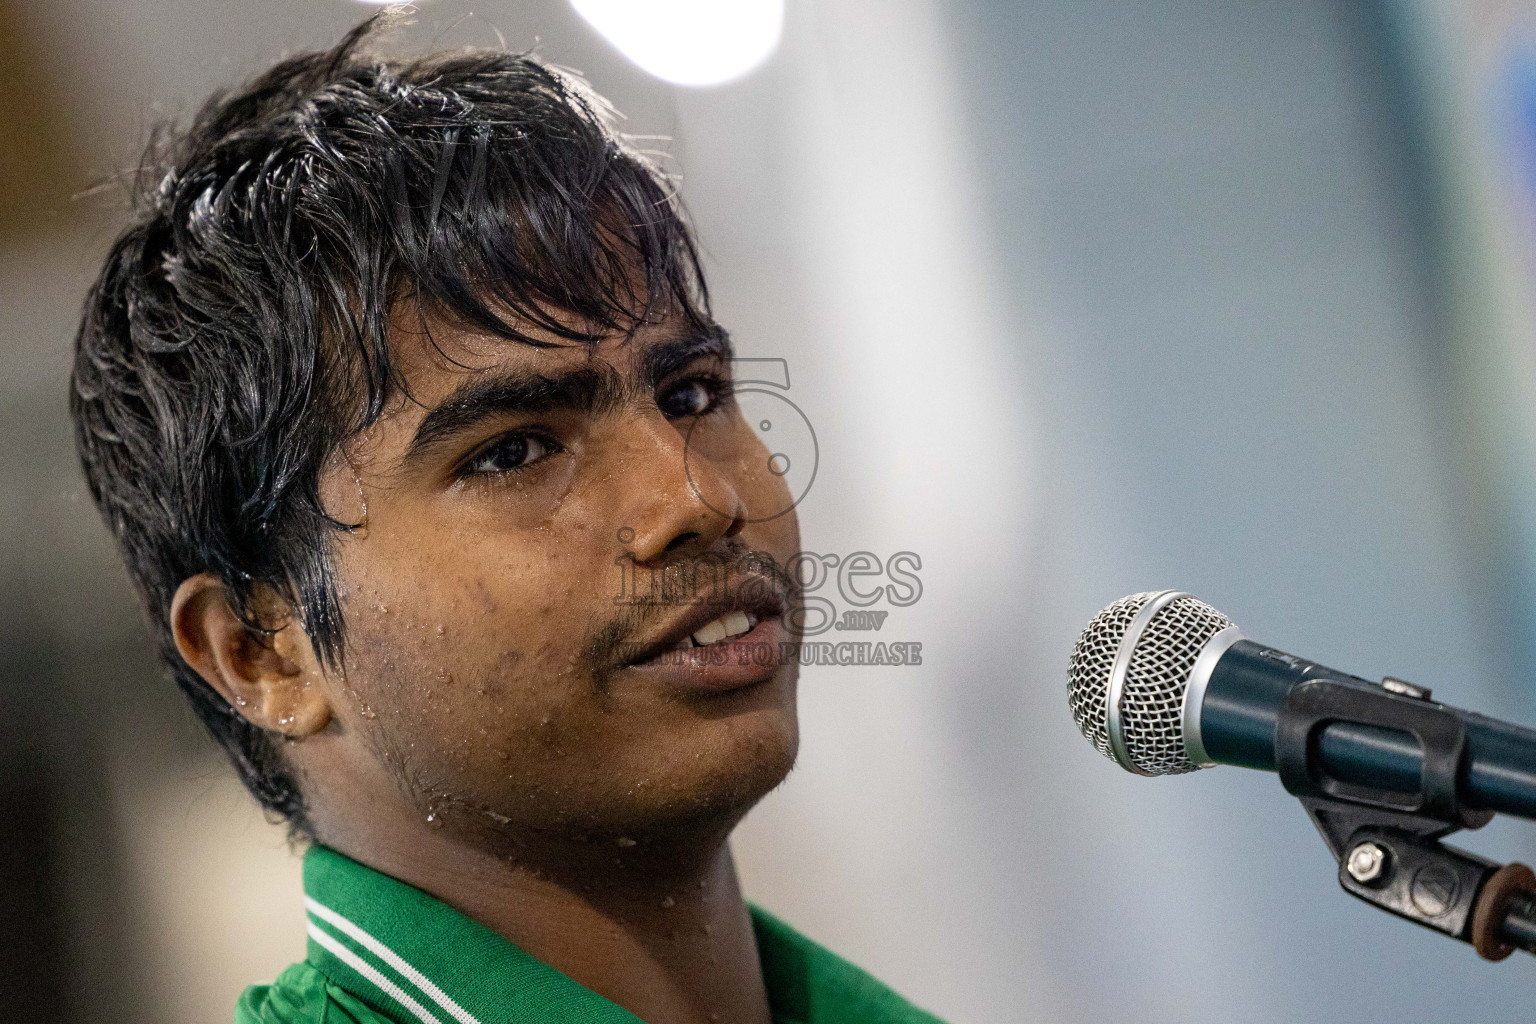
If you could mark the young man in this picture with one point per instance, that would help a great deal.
(399, 369)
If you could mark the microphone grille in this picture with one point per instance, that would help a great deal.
(1152, 700)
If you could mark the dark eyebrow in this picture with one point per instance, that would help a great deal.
(583, 389)
(665, 358)
(589, 389)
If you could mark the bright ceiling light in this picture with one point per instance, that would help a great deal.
(689, 42)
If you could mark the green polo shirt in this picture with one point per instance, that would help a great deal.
(381, 951)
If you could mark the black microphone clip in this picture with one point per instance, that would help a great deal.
(1387, 841)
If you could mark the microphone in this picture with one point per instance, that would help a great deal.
(1163, 683)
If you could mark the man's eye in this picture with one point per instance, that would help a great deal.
(689, 398)
(508, 455)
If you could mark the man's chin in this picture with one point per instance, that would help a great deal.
(713, 785)
(711, 774)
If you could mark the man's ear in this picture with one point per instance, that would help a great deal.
(274, 681)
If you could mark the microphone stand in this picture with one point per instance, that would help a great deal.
(1387, 842)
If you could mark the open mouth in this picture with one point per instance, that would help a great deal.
(729, 652)
(708, 631)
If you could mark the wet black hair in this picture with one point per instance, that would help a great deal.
(238, 332)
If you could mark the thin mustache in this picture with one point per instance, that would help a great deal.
(602, 652)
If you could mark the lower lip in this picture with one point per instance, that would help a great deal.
(741, 661)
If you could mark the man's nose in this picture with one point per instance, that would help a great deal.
(684, 501)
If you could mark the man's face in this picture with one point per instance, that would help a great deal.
(499, 672)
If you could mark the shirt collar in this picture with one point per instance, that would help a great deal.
(419, 961)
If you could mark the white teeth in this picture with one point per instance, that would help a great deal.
(729, 624)
(709, 633)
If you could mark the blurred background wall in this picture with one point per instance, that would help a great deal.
(1081, 299)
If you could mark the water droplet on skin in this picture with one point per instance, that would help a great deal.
(626, 841)
(441, 632)
(668, 903)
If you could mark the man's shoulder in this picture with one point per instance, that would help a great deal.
(303, 995)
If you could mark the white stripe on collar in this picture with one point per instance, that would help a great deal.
(372, 973)
(393, 959)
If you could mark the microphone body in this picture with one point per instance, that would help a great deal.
(1163, 683)
(1234, 701)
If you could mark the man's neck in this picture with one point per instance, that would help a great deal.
(661, 930)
